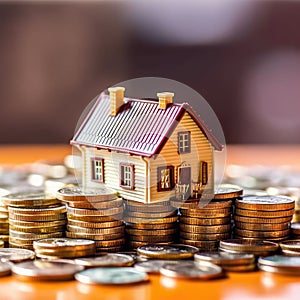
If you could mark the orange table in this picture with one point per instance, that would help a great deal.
(241, 286)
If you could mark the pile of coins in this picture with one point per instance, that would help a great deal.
(231, 262)
(205, 224)
(34, 216)
(64, 248)
(248, 246)
(263, 217)
(150, 223)
(95, 215)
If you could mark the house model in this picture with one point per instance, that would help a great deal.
(147, 150)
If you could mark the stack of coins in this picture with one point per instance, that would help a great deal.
(263, 217)
(231, 262)
(204, 224)
(150, 223)
(95, 215)
(64, 248)
(247, 246)
(34, 216)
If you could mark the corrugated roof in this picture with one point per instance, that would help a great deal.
(140, 127)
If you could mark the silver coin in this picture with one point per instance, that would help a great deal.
(114, 276)
(62, 242)
(266, 200)
(16, 255)
(281, 261)
(282, 271)
(152, 266)
(77, 191)
(189, 269)
(106, 260)
(223, 258)
(173, 251)
(31, 195)
(46, 270)
(5, 268)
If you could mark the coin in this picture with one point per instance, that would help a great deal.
(189, 269)
(50, 253)
(5, 268)
(37, 217)
(16, 255)
(290, 252)
(264, 214)
(152, 215)
(262, 226)
(262, 234)
(174, 251)
(112, 276)
(79, 194)
(293, 245)
(114, 249)
(131, 203)
(205, 229)
(110, 230)
(106, 260)
(150, 209)
(197, 204)
(249, 245)
(59, 209)
(150, 226)
(155, 221)
(98, 237)
(240, 268)
(295, 228)
(32, 236)
(225, 259)
(204, 221)
(94, 225)
(96, 205)
(29, 199)
(150, 239)
(202, 213)
(265, 203)
(151, 232)
(281, 261)
(110, 243)
(135, 244)
(204, 236)
(257, 220)
(153, 266)
(64, 244)
(38, 230)
(282, 271)
(87, 218)
(27, 224)
(45, 270)
(203, 245)
(228, 191)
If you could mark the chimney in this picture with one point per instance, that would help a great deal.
(116, 96)
(165, 98)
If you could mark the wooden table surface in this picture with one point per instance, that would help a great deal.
(240, 286)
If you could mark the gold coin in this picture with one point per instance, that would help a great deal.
(262, 227)
(228, 191)
(240, 268)
(111, 243)
(37, 218)
(152, 238)
(203, 245)
(37, 211)
(152, 215)
(95, 212)
(151, 232)
(204, 236)
(76, 229)
(151, 209)
(64, 254)
(264, 214)
(96, 205)
(205, 229)
(64, 244)
(97, 237)
(27, 224)
(197, 204)
(151, 226)
(290, 252)
(97, 219)
(78, 194)
(109, 249)
(94, 225)
(271, 239)
(292, 245)
(4, 231)
(135, 244)
(20, 246)
(295, 227)
(206, 222)
(33, 236)
(153, 205)
(149, 221)
(262, 234)
(249, 245)
(265, 203)
(257, 220)
(38, 230)
(202, 213)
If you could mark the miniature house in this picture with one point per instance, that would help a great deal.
(147, 150)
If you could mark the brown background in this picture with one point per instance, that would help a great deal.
(55, 57)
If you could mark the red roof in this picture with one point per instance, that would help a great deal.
(140, 127)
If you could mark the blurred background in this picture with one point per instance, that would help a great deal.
(242, 56)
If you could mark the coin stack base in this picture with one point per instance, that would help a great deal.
(150, 223)
(263, 217)
(95, 215)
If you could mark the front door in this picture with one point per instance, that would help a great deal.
(185, 180)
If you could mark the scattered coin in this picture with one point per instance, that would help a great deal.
(153, 266)
(106, 260)
(16, 255)
(292, 245)
(5, 268)
(112, 276)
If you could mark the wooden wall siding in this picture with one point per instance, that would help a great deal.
(112, 162)
(201, 149)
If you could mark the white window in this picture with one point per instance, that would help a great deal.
(184, 142)
(98, 169)
(127, 176)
